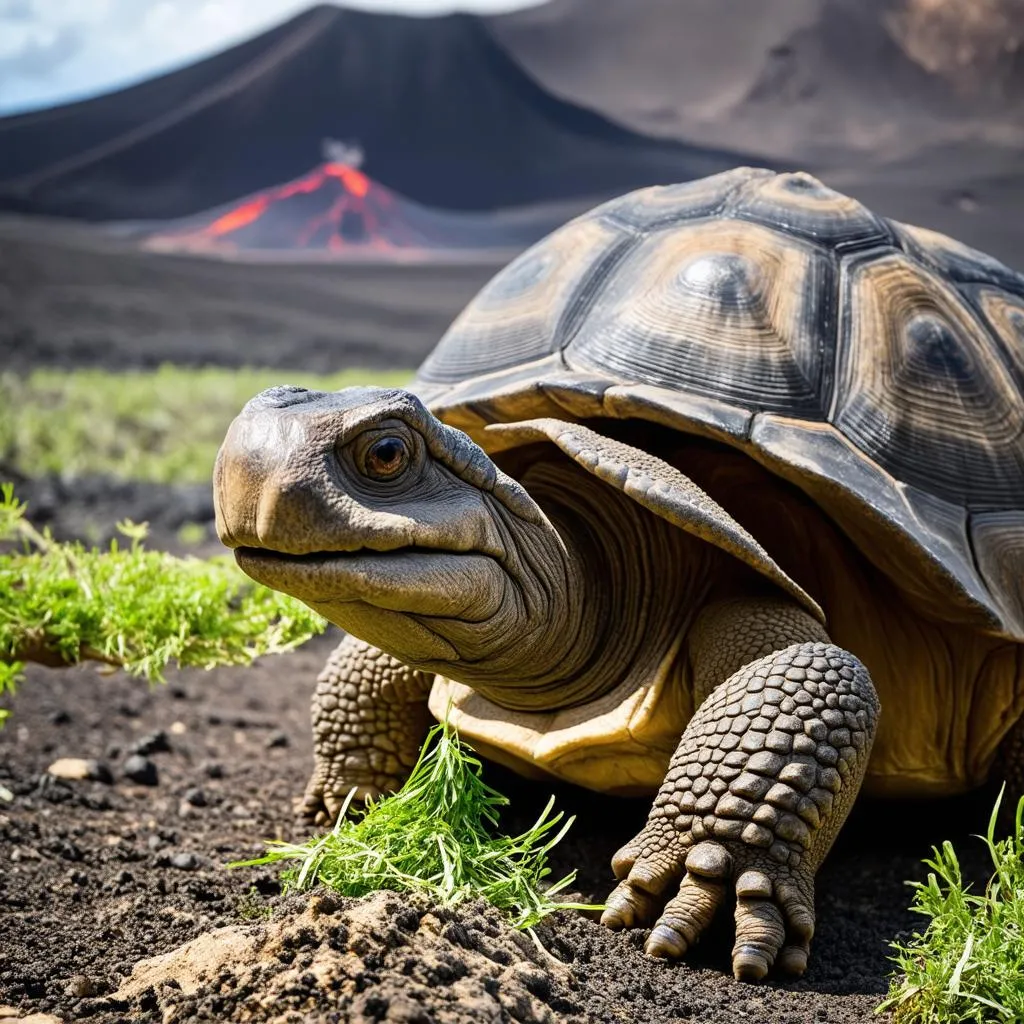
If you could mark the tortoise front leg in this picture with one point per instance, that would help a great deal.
(370, 718)
(756, 792)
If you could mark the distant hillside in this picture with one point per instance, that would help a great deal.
(803, 80)
(439, 111)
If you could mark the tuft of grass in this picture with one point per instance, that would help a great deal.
(435, 837)
(139, 610)
(968, 963)
(160, 425)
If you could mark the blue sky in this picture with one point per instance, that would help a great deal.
(52, 51)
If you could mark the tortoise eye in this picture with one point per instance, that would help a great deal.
(387, 458)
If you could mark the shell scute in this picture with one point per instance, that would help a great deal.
(803, 206)
(516, 317)
(727, 310)
(921, 391)
(663, 206)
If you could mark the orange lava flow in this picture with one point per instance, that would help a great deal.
(354, 181)
(237, 218)
(359, 196)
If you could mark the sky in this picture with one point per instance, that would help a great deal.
(53, 51)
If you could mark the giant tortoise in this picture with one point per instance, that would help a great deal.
(736, 461)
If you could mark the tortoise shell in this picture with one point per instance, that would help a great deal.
(877, 366)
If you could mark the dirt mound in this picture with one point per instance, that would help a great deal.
(369, 960)
(799, 79)
(436, 109)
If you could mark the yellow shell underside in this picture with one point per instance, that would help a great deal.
(620, 743)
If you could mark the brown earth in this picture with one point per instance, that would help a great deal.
(103, 882)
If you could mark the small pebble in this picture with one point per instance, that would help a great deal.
(195, 796)
(214, 770)
(277, 739)
(81, 987)
(79, 768)
(152, 743)
(68, 850)
(178, 728)
(60, 717)
(184, 861)
(141, 770)
(69, 768)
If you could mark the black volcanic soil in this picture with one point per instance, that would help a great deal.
(70, 297)
(97, 876)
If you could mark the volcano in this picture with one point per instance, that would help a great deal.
(441, 113)
(336, 209)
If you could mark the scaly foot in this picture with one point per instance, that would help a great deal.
(756, 792)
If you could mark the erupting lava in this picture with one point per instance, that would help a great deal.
(335, 207)
(337, 211)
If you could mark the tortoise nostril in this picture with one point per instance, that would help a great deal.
(279, 397)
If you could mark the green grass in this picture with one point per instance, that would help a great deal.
(136, 609)
(163, 426)
(435, 837)
(968, 963)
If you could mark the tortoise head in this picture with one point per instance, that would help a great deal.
(404, 532)
(391, 524)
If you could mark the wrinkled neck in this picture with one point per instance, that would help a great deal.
(602, 605)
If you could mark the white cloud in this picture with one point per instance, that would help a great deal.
(55, 50)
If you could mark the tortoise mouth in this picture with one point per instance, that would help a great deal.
(413, 580)
(254, 555)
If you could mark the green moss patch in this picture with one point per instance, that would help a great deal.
(140, 610)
